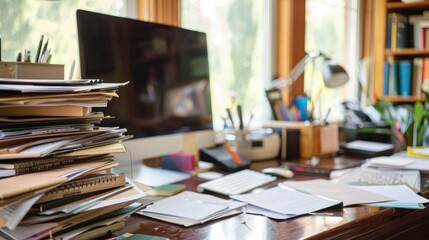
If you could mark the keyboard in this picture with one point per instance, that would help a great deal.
(236, 183)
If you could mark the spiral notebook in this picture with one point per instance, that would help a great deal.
(90, 184)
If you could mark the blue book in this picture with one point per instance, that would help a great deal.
(393, 78)
(389, 31)
(386, 79)
(301, 106)
(405, 71)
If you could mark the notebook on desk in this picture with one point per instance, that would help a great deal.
(323, 166)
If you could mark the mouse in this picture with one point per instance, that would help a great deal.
(279, 172)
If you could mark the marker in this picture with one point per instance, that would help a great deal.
(240, 116)
(233, 154)
(228, 111)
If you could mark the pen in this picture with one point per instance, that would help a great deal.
(19, 57)
(240, 116)
(45, 47)
(72, 69)
(233, 154)
(325, 121)
(228, 111)
(0, 48)
(38, 49)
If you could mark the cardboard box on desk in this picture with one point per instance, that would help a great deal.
(26, 70)
(314, 140)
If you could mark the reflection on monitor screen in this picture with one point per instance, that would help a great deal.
(167, 69)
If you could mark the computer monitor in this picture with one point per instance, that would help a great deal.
(169, 90)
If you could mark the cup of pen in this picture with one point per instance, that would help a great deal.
(238, 140)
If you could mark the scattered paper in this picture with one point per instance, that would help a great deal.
(346, 194)
(284, 200)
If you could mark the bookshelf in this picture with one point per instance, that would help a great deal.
(394, 54)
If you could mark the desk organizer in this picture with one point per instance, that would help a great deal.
(314, 140)
(25, 70)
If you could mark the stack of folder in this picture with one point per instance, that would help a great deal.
(56, 167)
(191, 208)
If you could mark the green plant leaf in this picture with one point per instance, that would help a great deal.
(420, 134)
(419, 112)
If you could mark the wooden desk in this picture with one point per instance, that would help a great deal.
(351, 222)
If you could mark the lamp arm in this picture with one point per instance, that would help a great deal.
(296, 71)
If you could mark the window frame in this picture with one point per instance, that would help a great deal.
(288, 38)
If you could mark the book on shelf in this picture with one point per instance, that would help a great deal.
(417, 76)
(44, 111)
(386, 79)
(405, 77)
(401, 78)
(393, 78)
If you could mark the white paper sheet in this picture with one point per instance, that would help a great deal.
(346, 194)
(274, 215)
(403, 196)
(286, 201)
(370, 176)
(399, 161)
(190, 208)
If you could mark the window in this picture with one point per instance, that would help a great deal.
(22, 23)
(238, 34)
(332, 27)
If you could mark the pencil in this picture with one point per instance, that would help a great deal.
(233, 154)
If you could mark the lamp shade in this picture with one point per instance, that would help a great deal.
(333, 74)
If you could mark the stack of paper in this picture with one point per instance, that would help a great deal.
(399, 161)
(341, 192)
(56, 163)
(381, 177)
(283, 202)
(400, 185)
(190, 208)
(378, 195)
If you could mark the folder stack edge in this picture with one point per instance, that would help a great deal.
(54, 164)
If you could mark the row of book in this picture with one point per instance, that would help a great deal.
(296, 111)
(407, 31)
(399, 32)
(405, 77)
(420, 25)
(57, 176)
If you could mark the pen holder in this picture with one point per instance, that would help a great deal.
(238, 140)
(314, 140)
(24, 70)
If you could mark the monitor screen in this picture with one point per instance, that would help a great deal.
(167, 69)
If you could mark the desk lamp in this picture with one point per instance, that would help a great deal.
(333, 74)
